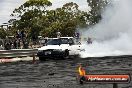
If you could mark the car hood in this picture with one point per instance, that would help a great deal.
(63, 47)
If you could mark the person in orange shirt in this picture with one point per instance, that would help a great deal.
(81, 71)
(82, 74)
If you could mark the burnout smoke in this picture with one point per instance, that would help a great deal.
(113, 34)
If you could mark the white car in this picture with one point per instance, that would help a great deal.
(63, 47)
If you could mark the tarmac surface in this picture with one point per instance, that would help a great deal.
(61, 73)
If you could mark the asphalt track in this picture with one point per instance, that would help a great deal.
(61, 73)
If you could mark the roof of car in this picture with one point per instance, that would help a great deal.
(66, 37)
(50, 38)
(58, 38)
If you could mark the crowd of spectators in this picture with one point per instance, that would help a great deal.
(19, 41)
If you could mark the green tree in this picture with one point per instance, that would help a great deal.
(96, 6)
(39, 21)
(30, 13)
(3, 33)
(65, 20)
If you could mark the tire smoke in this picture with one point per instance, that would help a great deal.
(112, 36)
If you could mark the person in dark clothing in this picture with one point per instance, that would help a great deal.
(89, 41)
(7, 46)
(23, 34)
(18, 34)
(15, 44)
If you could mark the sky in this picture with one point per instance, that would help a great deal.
(7, 7)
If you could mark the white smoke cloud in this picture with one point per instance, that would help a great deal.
(113, 35)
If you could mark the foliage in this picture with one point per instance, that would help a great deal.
(97, 6)
(30, 13)
(34, 17)
(37, 20)
(3, 33)
(64, 20)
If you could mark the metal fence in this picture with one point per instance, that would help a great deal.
(17, 53)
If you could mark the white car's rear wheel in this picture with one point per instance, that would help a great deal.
(66, 54)
(41, 58)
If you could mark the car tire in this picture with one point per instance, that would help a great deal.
(41, 59)
(66, 54)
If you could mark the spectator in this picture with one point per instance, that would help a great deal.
(18, 34)
(15, 44)
(89, 41)
(58, 34)
(7, 46)
(77, 36)
(1, 47)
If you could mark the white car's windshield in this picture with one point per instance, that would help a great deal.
(60, 41)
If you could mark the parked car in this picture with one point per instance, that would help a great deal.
(63, 47)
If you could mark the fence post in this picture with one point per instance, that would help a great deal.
(33, 58)
(115, 85)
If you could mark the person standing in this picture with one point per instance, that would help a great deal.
(89, 41)
(77, 36)
(58, 34)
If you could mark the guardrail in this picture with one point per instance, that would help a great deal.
(17, 53)
(10, 55)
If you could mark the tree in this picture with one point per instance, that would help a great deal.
(96, 8)
(39, 21)
(30, 13)
(3, 33)
(65, 19)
